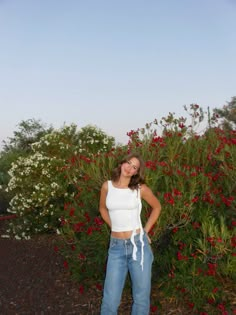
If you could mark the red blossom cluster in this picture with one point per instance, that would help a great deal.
(211, 269)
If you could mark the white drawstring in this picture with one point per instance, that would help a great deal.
(134, 254)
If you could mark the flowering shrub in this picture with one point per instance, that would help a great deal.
(38, 182)
(193, 242)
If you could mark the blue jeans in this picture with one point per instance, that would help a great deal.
(119, 263)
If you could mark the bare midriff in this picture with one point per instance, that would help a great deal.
(124, 234)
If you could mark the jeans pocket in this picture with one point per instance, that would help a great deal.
(146, 242)
(113, 243)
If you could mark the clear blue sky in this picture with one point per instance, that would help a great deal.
(117, 64)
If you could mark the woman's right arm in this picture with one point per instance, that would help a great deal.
(102, 204)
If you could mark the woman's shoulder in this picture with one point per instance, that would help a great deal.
(144, 189)
(105, 185)
(143, 186)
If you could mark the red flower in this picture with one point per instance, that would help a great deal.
(181, 257)
(211, 240)
(199, 271)
(181, 245)
(81, 256)
(221, 306)
(98, 221)
(215, 290)
(151, 165)
(176, 192)
(190, 305)
(168, 198)
(195, 199)
(211, 269)
(212, 266)
(184, 216)
(81, 289)
(233, 241)
(227, 201)
(153, 308)
(87, 217)
(209, 157)
(65, 264)
(211, 301)
(77, 227)
(194, 255)
(63, 221)
(99, 287)
(72, 211)
(196, 225)
(66, 205)
(171, 274)
(73, 160)
(90, 230)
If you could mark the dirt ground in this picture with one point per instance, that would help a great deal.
(34, 281)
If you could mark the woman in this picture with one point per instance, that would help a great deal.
(129, 250)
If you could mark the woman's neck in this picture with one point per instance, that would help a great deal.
(122, 182)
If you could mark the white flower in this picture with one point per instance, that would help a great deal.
(54, 185)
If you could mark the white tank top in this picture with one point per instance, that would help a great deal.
(124, 206)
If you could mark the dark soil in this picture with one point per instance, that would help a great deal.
(34, 281)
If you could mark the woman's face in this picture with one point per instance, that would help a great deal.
(130, 167)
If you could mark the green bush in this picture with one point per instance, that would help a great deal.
(38, 182)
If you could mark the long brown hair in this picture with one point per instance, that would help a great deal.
(136, 179)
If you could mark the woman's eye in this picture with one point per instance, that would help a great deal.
(134, 167)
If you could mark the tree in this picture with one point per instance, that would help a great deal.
(228, 114)
(30, 131)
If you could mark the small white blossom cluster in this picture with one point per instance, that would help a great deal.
(94, 140)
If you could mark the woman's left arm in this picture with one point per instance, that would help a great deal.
(154, 203)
